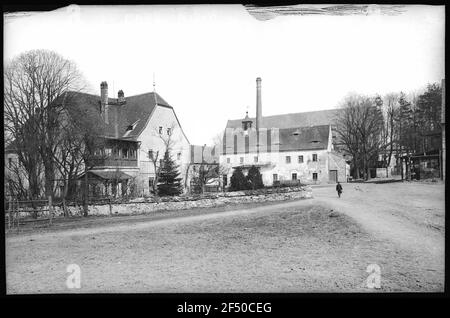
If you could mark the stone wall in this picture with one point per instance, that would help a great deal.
(148, 205)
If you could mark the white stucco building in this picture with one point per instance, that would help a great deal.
(137, 128)
(291, 148)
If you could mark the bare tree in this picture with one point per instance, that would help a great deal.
(80, 145)
(389, 136)
(33, 82)
(346, 128)
(369, 127)
(359, 127)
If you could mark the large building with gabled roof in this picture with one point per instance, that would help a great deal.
(136, 130)
(288, 148)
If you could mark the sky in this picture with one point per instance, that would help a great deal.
(205, 59)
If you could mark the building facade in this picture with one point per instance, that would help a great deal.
(290, 148)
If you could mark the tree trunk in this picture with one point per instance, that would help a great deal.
(49, 173)
(65, 191)
(85, 193)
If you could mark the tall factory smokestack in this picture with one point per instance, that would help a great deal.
(258, 104)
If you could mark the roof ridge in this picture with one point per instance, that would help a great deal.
(285, 114)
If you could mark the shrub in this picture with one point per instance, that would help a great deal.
(254, 178)
(238, 180)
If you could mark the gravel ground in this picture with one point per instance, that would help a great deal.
(297, 246)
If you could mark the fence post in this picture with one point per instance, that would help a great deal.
(17, 215)
(50, 209)
(110, 207)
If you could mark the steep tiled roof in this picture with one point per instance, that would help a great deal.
(285, 139)
(304, 138)
(135, 112)
(314, 118)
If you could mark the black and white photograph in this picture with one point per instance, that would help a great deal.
(161, 149)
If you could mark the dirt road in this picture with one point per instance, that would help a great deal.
(415, 221)
(292, 246)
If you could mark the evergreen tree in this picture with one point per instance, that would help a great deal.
(169, 183)
(254, 178)
(429, 108)
(404, 123)
(238, 180)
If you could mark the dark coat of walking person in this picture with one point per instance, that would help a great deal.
(339, 189)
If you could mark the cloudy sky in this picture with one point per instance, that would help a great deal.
(206, 58)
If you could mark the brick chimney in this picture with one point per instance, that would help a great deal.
(258, 104)
(117, 114)
(120, 97)
(104, 100)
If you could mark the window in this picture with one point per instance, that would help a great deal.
(300, 159)
(255, 158)
(108, 151)
(132, 153)
(314, 157)
(161, 162)
(288, 159)
(179, 156)
(315, 176)
(294, 176)
(168, 131)
(150, 154)
(116, 152)
(228, 160)
(160, 130)
(241, 159)
(10, 162)
(275, 177)
(125, 153)
(225, 180)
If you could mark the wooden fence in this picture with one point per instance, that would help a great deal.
(41, 211)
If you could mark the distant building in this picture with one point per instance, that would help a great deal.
(290, 148)
(204, 159)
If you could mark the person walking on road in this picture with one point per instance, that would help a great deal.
(339, 189)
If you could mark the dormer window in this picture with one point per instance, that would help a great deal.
(168, 131)
(160, 130)
(132, 126)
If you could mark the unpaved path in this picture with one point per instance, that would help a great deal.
(389, 211)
